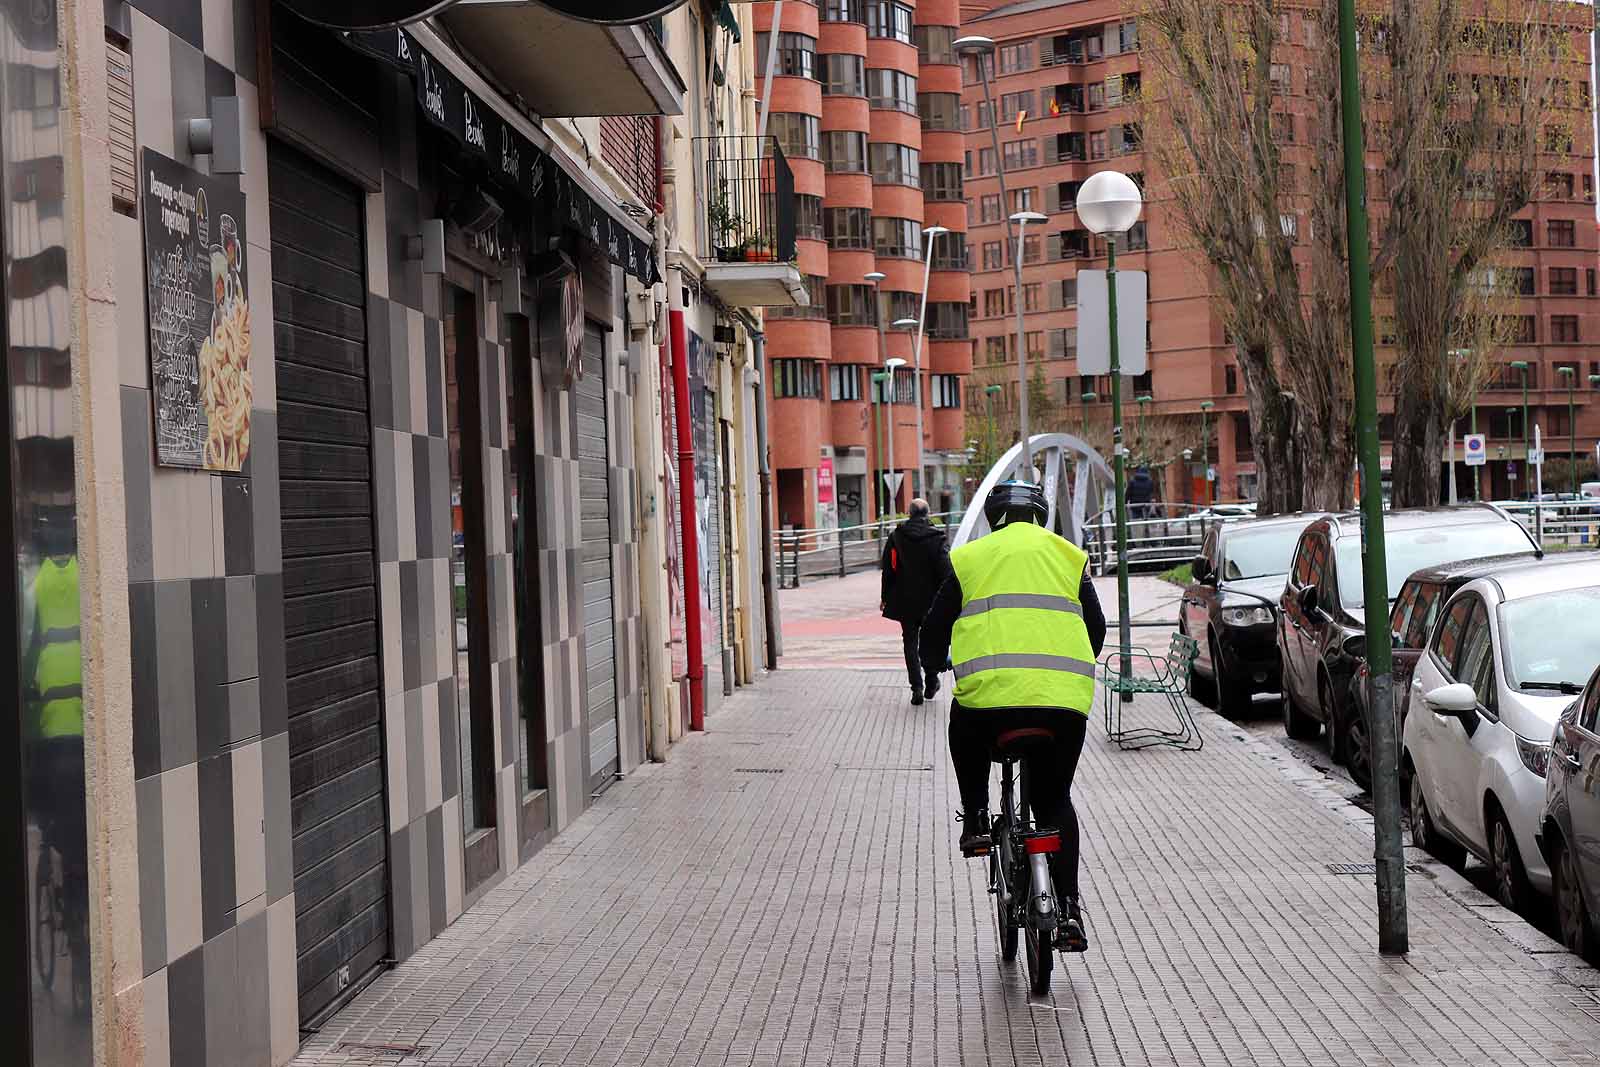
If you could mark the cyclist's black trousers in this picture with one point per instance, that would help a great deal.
(1050, 769)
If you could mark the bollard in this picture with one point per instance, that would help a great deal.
(840, 537)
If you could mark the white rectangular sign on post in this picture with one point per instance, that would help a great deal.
(1094, 334)
(1477, 449)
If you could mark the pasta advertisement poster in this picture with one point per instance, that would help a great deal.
(199, 314)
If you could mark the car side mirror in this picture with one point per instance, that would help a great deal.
(1200, 567)
(1308, 599)
(1458, 700)
(1396, 641)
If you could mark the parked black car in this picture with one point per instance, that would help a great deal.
(1411, 620)
(1569, 833)
(1230, 609)
(1321, 635)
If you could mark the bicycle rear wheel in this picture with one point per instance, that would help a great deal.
(45, 926)
(1005, 929)
(1041, 958)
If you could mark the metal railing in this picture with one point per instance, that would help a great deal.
(819, 553)
(1558, 525)
(750, 200)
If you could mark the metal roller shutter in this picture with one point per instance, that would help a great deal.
(341, 878)
(594, 498)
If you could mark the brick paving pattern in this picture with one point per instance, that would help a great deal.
(786, 890)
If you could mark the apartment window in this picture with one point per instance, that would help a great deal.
(844, 381)
(1012, 103)
(1563, 329)
(1097, 96)
(1588, 187)
(950, 252)
(797, 377)
(892, 89)
(939, 111)
(1594, 374)
(1522, 329)
(1126, 138)
(888, 19)
(1064, 343)
(1138, 238)
(1282, 81)
(797, 134)
(1563, 281)
(989, 207)
(1030, 249)
(1021, 153)
(808, 216)
(897, 304)
(1069, 292)
(1074, 243)
(1559, 185)
(797, 55)
(947, 321)
(850, 305)
(895, 164)
(815, 306)
(1024, 199)
(993, 258)
(1558, 140)
(848, 228)
(1016, 57)
(843, 11)
(942, 181)
(1097, 144)
(1283, 126)
(1030, 296)
(994, 302)
(1522, 281)
(901, 238)
(1521, 233)
(1589, 278)
(1128, 34)
(994, 349)
(966, 163)
(1070, 148)
(946, 390)
(842, 75)
(985, 161)
(844, 152)
(1230, 380)
(969, 68)
(1561, 233)
(935, 44)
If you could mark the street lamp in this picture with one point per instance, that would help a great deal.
(1205, 444)
(1188, 475)
(916, 384)
(1522, 365)
(1144, 442)
(877, 381)
(1109, 204)
(989, 392)
(875, 279)
(1022, 218)
(1571, 375)
(1088, 398)
(894, 490)
(929, 235)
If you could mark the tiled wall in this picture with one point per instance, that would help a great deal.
(211, 748)
(206, 596)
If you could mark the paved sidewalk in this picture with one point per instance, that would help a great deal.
(785, 890)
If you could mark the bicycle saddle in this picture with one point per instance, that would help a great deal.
(1012, 741)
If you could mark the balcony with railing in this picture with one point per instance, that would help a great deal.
(749, 228)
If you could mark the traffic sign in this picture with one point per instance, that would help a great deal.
(1476, 445)
(1536, 457)
(1094, 333)
(1211, 474)
(892, 481)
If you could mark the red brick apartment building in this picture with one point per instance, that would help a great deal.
(866, 105)
(1083, 55)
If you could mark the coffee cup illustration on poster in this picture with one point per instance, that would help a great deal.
(199, 316)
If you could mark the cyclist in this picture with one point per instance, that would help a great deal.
(1020, 622)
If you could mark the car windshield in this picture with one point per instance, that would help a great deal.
(1258, 553)
(1541, 655)
(1410, 551)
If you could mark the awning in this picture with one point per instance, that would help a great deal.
(494, 133)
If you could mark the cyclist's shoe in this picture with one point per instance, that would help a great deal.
(916, 696)
(933, 687)
(975, 839)
(1071, 935)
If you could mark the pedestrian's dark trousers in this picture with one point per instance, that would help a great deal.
(1049, 767)
(909, 632)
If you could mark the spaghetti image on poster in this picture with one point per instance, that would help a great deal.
(199, 317)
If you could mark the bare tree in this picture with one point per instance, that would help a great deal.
(1212, 132)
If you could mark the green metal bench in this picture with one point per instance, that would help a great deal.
(1166, 676)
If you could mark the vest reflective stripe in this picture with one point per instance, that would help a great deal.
(1002, 661)
(61, 634)
(1038, 601)
(61, 692)
(1020, 640)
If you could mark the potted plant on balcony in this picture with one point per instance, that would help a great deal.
(726, 225)
(759, 250)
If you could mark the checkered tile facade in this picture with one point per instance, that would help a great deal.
(206, 593)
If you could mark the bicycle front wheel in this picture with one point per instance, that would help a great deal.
(1005, 929)
(44, 939)
(1041, 958)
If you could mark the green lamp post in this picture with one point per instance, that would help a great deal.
(1205, 445)
(989, 392)
(1144, 444)
(1088, 398)
(1522, 365)
(878, 378)
(1571, 375)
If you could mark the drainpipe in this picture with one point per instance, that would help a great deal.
(656, 586)
(769, 599)
(691, 530)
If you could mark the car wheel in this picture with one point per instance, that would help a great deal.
(1331, 716)
(1296, 723)
(1505, 862)
(1424, 834)
(1358, 748)
(1572, 914)
(1200, 688)
(1233, 698)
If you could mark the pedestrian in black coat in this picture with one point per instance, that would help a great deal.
(915, 563)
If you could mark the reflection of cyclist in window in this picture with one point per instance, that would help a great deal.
(53, 675)
(1022, 625)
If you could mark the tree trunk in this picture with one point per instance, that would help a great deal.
(1327, 469)
(1418, 449)
(1277, 461)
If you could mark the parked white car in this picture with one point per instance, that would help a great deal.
(1509, 653)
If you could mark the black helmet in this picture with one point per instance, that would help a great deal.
(1014, 500)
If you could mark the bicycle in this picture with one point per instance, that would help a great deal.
(1019, 864)
(49, 939)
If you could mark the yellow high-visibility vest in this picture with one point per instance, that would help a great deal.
(1021, 641)
(58, 673)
